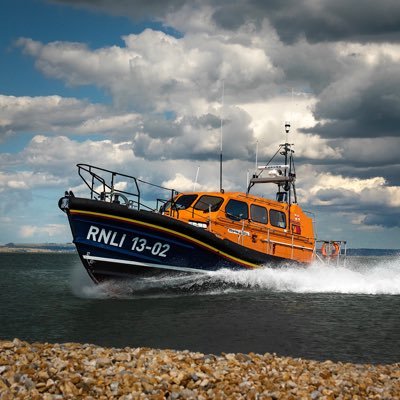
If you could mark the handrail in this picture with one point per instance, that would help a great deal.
(339, 257)
(107, 179)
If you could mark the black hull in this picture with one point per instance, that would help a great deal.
(115, 242)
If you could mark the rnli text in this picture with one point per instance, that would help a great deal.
(105, 236)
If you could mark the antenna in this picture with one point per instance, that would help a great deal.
(287, 129)
(256, 154)
(287, 124)
(220, 154)
(195, 181)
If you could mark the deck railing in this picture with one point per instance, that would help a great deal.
(336, 253)
(116, 187)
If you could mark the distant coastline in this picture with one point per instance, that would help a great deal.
(373, 252)
(70, 248)
(38, 248)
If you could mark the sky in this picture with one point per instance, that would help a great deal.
(141, 87)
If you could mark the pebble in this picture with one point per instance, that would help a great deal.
(74, 371)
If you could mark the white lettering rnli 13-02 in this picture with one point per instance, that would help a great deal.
(116, 239)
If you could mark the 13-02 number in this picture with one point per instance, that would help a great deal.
(157, 249)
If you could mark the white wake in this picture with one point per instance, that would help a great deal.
(374, 276)
(380, 278)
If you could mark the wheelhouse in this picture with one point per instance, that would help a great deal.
(270, 226)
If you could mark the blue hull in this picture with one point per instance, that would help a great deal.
(115, 242)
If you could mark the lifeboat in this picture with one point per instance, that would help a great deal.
(119, 235)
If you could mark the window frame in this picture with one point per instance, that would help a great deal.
(178, 207)
(235, 217)
(257, 220)
(213, 209)
(272, 219)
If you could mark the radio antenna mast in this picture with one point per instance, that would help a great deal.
(220, 154)
(256, 156)
(197, 176)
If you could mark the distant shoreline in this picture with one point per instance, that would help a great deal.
(38, 248)
(32, 250)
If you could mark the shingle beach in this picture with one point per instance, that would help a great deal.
(86, 371)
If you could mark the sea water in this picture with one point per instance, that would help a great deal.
(320, 312)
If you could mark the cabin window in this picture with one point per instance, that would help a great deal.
(277, 218)
(236, 210)
(185, 201)
(208, 202)
(259, 214)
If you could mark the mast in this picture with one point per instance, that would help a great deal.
(197, 176)
(220, 142)
(283, 175)
(290, 173)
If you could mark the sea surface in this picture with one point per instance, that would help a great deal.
(349, 314)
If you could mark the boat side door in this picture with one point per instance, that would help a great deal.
(259, 226)
(233, 222)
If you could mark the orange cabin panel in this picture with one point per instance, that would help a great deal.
(260, 224)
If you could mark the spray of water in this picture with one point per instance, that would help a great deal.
(375, 276)
(381, 278)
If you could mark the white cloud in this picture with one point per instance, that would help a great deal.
(192, 19)
(113, 124)
(159, 72)
(329, 181)
(26, 180)
(49, 230)
(183, 184)
(58, 114)
(60, 151)
(268, 120)
(49, 163)
(329, 190)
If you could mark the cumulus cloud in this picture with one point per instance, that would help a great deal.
(60, 153)
(181, 183)
(369, 152)
(61, 115)
(27, 180)
(16, 188)
(317, 20)
(372, 200)
(365, 103)
(137, 10)
(199, 138)
(48, 163)
(49, 230)
(158, 72)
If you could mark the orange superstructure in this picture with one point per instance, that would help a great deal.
(264, 225)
